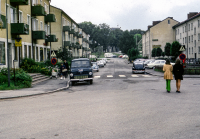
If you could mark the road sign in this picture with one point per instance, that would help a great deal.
(53, 54)
(18, 42)
(182, 57)
(53, 61)
(182, 48)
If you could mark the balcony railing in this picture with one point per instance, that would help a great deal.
(19, 28)
(66, 28)
(72, 31)
(39, 34)
(67, 43)
(38, 10)
(3, 22)
(51, 38)
(19, 2)
(50, 18)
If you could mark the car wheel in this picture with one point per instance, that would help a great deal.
(73, 83)
(91, 81)
(97, 70)
(132, 72)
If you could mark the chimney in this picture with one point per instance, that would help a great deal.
(156, 22)
(191, 14)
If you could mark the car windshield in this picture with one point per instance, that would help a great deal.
(81, 63)
(94, 64)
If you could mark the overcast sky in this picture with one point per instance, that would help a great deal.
(127, 14)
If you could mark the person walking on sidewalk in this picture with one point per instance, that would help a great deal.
(168, 68)
(178, 74)
(62, 72)
(67, 67)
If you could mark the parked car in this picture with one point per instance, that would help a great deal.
(114, 56)
(156, 63)
(104, 62)
(138, 67)
(120, 56)
(100, 63)
(95, 67)
(105, 59)
(81, 70)
(125, 56)
(148, 62)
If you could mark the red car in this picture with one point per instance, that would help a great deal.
(120, 56)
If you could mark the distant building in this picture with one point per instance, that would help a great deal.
(157, 35)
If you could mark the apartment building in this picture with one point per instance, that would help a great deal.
(86, 49)
(188, 34)
(68, 32)
(157, 35)
(28, 23)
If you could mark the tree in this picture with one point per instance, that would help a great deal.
(158, 51)
(167, 49)
(63, 54)
(153, 53)
(174, 49)
(163, 54)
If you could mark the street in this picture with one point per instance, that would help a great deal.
(118, 105)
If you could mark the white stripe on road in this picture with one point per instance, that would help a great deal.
(134, 76)
(146, 76)
(97, 76)
(122, 76)
(109, 76)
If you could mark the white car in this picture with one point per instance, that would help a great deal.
(105, 59)
(156, 63)
(100, 63)
(104, 62)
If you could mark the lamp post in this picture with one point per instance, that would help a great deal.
(7, 45)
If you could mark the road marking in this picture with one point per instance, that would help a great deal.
(146, 76)
(134, 76)
(97, 76)
(122, 76)
(109, 76)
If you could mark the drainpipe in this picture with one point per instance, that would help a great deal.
(7, 45)
(50, 33)
(187, 43)
(31, 32)
(62, 29)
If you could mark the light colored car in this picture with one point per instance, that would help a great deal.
(148, 62)
(100, 63)
(95, 67)
(105, 59)
(156, 63)
(104, 62)
(125, 56)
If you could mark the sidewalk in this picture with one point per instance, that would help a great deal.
(156, 73)
(46, 87)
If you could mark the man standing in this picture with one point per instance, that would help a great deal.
(67, 67)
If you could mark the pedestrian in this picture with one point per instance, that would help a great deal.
(178, 74)
(62, 72)
(168, 68)
(67, 67)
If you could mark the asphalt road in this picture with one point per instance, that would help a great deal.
(118, 105)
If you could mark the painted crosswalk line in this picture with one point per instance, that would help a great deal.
(122, 76)
(146, 76)
(134, 75)
(97, 76)
(109, 76)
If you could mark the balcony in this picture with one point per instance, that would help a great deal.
(39, 35)
(67, 43)
(66, 28)
(73, 44)
(80, 36)
(19, 2)
(72, 31)
(85, 39)
(19, 28)
(51, 38)
(3, 22)
(38, 10)
(76, 34)
(50, 18)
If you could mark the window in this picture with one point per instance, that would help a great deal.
(168, 21)
(28, 20)
(194, 43)
(20, 17)
(36, 24)
(189, 50)
(198, 36)
(41, 25)
(41, 2)
(194, 31)
(12, 15)
(25, 50)
(189, 39)
(188, 27)
(192, 50)
(2, 53)
(34, 2)
(183, 29)
(198, 23)
(183, 40)
(199, 49)
(45, 28)
(48, 30)
(192, 38)
(178, 31)
(191, 26)
(180, 35)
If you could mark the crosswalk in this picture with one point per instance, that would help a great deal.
(124, 76)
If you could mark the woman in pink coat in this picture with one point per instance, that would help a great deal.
(168, 68)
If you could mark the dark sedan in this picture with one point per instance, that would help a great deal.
(138, 67)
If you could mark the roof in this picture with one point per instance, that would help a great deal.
(193, 17)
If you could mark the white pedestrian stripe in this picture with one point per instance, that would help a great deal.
(109, 76)
(97, 76)
(134, 75)
(146, 76)
(122, 76)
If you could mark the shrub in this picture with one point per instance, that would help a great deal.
(3, 79)
(21, 77)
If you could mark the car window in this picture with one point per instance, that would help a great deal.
(157, 62)
(81, 63)
(162, 61)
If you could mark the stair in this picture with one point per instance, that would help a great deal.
(38, 78)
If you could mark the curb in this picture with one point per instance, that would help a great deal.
(48, 92)
(163, 76)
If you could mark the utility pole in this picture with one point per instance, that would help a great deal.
(7, 45)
